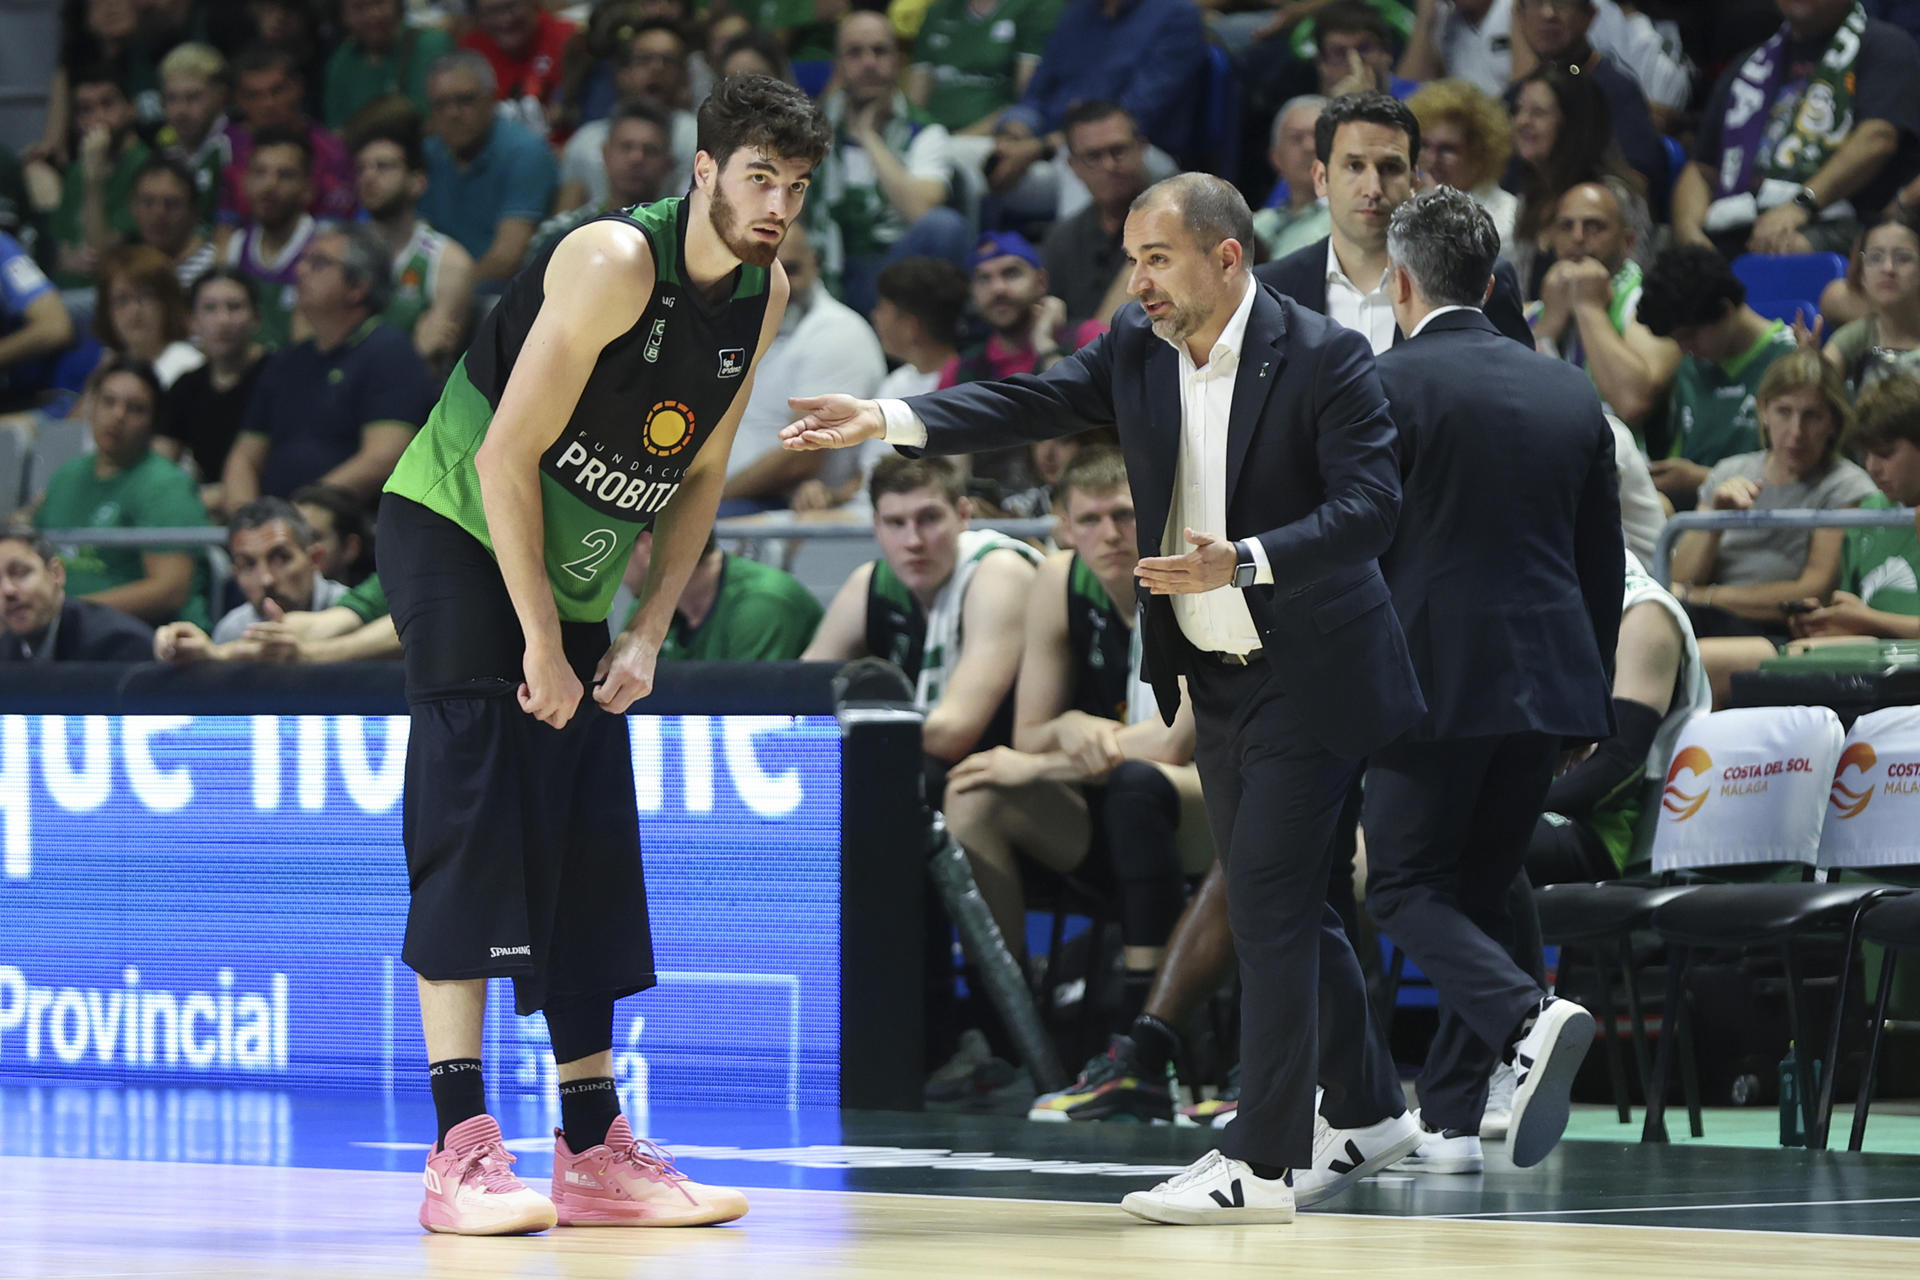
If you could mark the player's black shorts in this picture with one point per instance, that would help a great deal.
(523, 842)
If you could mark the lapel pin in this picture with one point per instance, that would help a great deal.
(1263, 367)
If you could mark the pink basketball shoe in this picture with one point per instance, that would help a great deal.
(630, 1182)
(470, 1190)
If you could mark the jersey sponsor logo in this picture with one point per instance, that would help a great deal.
(670, 427)
(633, 493)
(652, 353)
(733, 362)
(494, 953)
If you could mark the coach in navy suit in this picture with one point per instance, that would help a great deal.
(1506, 575)
(1266, 481)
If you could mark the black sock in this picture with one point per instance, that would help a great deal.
(1271, 1172)
(1154, 1044)
(588, 1109)
(459, 1092)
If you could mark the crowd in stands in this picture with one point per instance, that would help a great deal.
(254, 239)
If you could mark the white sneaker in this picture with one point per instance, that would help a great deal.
(1449, 1151)
(1499, 1112)
(1544, 1064)
(1341, 1157)
(1215, 1190)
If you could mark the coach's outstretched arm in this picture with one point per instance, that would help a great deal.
(607, 280)
(1075, 395)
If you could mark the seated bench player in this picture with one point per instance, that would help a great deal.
(1092, 769)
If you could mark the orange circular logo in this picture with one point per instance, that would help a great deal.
(669, 428)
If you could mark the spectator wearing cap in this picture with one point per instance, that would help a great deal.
(822, 344)
(1025, 323)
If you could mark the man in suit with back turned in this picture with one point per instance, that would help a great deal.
(1266, 481)
(1506, 575)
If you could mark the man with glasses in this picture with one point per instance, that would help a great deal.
(338, 408)
(1086, 264)
(653, 70)
(490, 180)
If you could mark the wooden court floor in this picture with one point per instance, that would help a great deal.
(113, 1218)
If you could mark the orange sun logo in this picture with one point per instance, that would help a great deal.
(1852, 803)
(669, 428)
(1679, 805)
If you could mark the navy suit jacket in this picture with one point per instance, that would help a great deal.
(91, 632)
(1508, 567)
(1302, 276)
(1311, 470)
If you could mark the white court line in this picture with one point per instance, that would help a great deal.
(1662, 1208)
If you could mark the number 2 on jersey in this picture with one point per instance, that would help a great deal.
(599, 544)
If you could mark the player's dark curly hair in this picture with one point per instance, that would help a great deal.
(764, 113)
(1688, 285)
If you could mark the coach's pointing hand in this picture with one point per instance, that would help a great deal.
(551, 692)
(831, 422)
(625, 674)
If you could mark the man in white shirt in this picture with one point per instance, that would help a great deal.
(881, 194)
(1470, 40)
(1281, 487)
(652, 68)
(917, 319)
(276, 562)
(821, 343)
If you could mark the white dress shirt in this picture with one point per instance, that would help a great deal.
(1481, 54)
(1368, 313)
(1217, 621)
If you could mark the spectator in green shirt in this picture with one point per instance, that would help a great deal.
(125, 484)
(732, 609)
(973, 58)
(1691, 295)
(96, 195)
(382, 54)
(1879, 591)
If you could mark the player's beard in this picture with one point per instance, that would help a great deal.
(734, 235)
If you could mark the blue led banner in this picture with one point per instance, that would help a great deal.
(222, 898)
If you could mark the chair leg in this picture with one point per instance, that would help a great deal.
(1796, 1030)
(1636, 1014)
(1690, 1071)
(1609, 1034)
(1654, 1127)
(1875, 1035)
(1823, 1104)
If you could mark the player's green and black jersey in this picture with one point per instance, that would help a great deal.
(655, 396)
(896, 624)
(1099, 638)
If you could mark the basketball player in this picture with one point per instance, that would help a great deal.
(599, 398)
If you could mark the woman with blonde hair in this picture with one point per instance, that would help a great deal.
(143, 312)
(1465, 140)
(1749, 582)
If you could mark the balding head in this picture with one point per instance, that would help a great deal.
(1187, 240)
(1591, 222)
(1210, 209)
